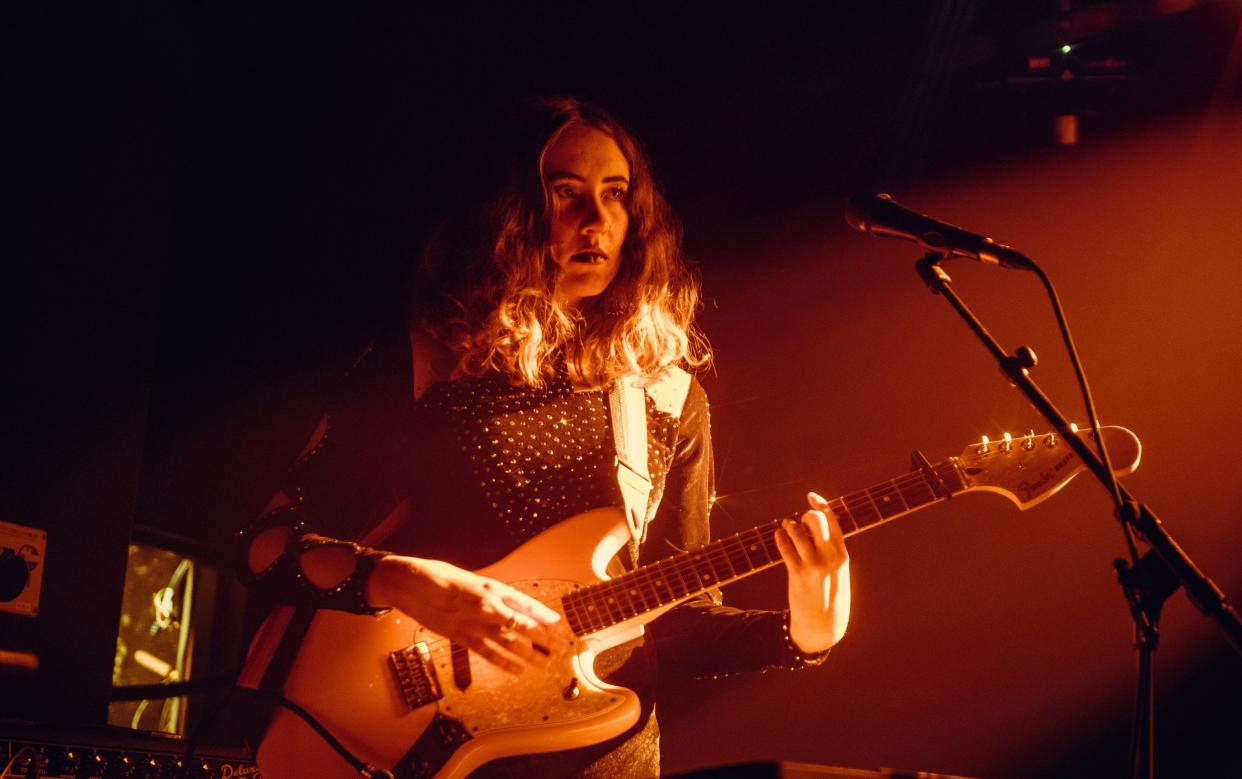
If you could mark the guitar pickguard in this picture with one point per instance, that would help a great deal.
(564, 690)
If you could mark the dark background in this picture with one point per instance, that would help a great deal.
(215, 205)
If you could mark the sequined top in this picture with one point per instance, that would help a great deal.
(540, 456)
(488, 465)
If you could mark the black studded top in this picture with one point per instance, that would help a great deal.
(488, 465)
(541, 455)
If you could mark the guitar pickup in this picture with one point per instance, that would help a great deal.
(415, 674)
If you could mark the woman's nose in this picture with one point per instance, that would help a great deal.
(594, 218)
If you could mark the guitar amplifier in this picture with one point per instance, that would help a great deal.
(35, 753)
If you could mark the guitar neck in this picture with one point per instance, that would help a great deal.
(680, 577)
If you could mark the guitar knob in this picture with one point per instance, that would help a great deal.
(1007, 446)
(1028, 441)
(571, 691)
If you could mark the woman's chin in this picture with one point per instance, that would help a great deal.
(575, 296)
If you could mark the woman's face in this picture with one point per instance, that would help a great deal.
(587, 179)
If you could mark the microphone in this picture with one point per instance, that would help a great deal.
(883, 217)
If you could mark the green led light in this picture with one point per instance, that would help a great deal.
(1066, 49)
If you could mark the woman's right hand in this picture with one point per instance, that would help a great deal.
(486, 616)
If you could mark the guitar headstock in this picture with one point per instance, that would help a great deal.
(1029, 469)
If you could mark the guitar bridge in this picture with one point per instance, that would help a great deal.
(415, 674)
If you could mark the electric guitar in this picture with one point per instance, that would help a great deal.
(407, 700)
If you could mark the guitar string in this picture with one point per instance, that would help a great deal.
(687, 567)
(604, 596)
(657, 574)
(681, 577)
(856, 505)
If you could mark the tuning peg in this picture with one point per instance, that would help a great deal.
(1028, 440)
(1007, 446)
(983, 445)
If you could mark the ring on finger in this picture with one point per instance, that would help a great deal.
(510, 623)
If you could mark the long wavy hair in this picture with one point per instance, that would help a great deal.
(486, 284)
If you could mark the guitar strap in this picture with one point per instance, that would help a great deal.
(627, 401)
(628, 404)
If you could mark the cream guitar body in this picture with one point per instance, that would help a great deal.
(345, 675)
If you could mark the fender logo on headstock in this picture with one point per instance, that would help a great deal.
(1029, 489)
(1030, 470)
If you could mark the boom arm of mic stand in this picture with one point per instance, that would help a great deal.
(1201, 590)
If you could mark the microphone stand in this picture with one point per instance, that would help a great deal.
(1152, 578)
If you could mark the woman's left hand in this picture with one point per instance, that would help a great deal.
(818, 566)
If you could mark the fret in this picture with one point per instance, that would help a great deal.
(688, 574)
(671, 579)
(612, 604)
(894, 486)
(604, 607)
(675, 573)
(863, 509)
(917, 491)
(594, 618)
(638, 597)
(619, 596)
(768, 536)
(875, 506)
(704, 570)
(591, 609)
(573, 613)
(659, 584)
(769, 541)
(740, 559)
(608, 607)
(844, 517)
(633, 597)
(745, 542)
(883, 501)
(756, 549)
(723, 564)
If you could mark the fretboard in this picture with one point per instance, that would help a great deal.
(682, 576)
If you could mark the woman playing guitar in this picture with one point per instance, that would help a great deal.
(485, 423)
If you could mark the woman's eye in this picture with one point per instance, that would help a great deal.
(564, 190)
(617, 193)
